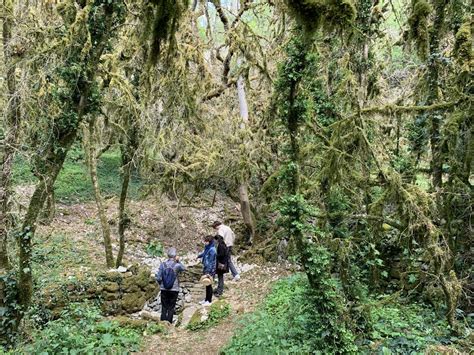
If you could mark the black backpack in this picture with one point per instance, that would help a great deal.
(168, 276)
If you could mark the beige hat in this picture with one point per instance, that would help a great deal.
(206, 280)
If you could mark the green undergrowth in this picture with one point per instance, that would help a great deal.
(57, 255)
(82, 330)
(217, 311)
(73, 183)
(286, 323)
(399, 328)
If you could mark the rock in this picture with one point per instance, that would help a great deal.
(111, 307)
(199, 316)
(122, 269)
(111, 287)
(186, 315)
(188, 298)
(139, 324)
(154, 316)
(129, 285)
(133, 302)
(110, 296)
(142, 278)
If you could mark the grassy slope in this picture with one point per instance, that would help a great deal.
(73, 183)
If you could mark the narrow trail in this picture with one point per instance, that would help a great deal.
(243, 296)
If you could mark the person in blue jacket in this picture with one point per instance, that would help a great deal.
(167, 277)
(209, 265)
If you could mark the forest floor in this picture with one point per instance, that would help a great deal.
(242, 296)
(72, 243)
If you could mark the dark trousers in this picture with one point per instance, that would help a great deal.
(220, 284)
(209, 293)
(168, 304)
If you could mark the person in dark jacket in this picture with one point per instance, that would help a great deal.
(209, 265)
(169, 296)
(222, 263)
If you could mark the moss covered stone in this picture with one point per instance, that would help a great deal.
(111, 287)
(133, 302)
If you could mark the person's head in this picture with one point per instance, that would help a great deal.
(218, 238)
(172, 253)
(216, 224)
(208, 239)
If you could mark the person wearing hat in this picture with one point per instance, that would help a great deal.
(167, 277)
(208, 267)
(229, 237)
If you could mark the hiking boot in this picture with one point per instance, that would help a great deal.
(236, 278)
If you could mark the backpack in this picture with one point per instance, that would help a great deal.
(168, 276)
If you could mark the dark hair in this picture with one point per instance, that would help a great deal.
(216, 224)
(208, 238)
(219, 237)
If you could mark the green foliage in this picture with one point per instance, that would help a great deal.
(155, 248)
(288, 322)
(217, 311)
(74, 184)
(82, 330)
(403, 329)
(9, 309)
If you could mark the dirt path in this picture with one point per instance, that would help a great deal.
(243, 297)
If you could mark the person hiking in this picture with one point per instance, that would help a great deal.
(167, 277)
(209, 265)
(222, 263)
(229, 237)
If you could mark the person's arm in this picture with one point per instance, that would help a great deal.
(212, 259)
(181, 267)
(159, 274)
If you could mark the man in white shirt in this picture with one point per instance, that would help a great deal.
(229, 238)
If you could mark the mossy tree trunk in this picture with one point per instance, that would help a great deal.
(243, 188)
(65, 126)
(436, 116)
(11, 129)
(128, 149)
(93, 156)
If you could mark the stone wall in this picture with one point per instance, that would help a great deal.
(118, 292)
(191, 291)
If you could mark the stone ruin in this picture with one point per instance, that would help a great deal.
(190, 291)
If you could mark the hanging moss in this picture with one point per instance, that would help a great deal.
(418, 26)
(162, 23)
(463, 44)
(312, 14)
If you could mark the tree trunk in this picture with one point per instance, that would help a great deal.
(243, 188)
(123, 218)
(436, 116)
(92, 160)
(55, 162)
(11, 136)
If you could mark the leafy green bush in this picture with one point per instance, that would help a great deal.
(286, 323)
(404, 329)
(82, 330)
(155, 248)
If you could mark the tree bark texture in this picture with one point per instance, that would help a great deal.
(127, 156)
(243, 188)
(91, 147)
(11, 135)
(436, 116)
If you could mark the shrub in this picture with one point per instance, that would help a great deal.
(82, 330)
